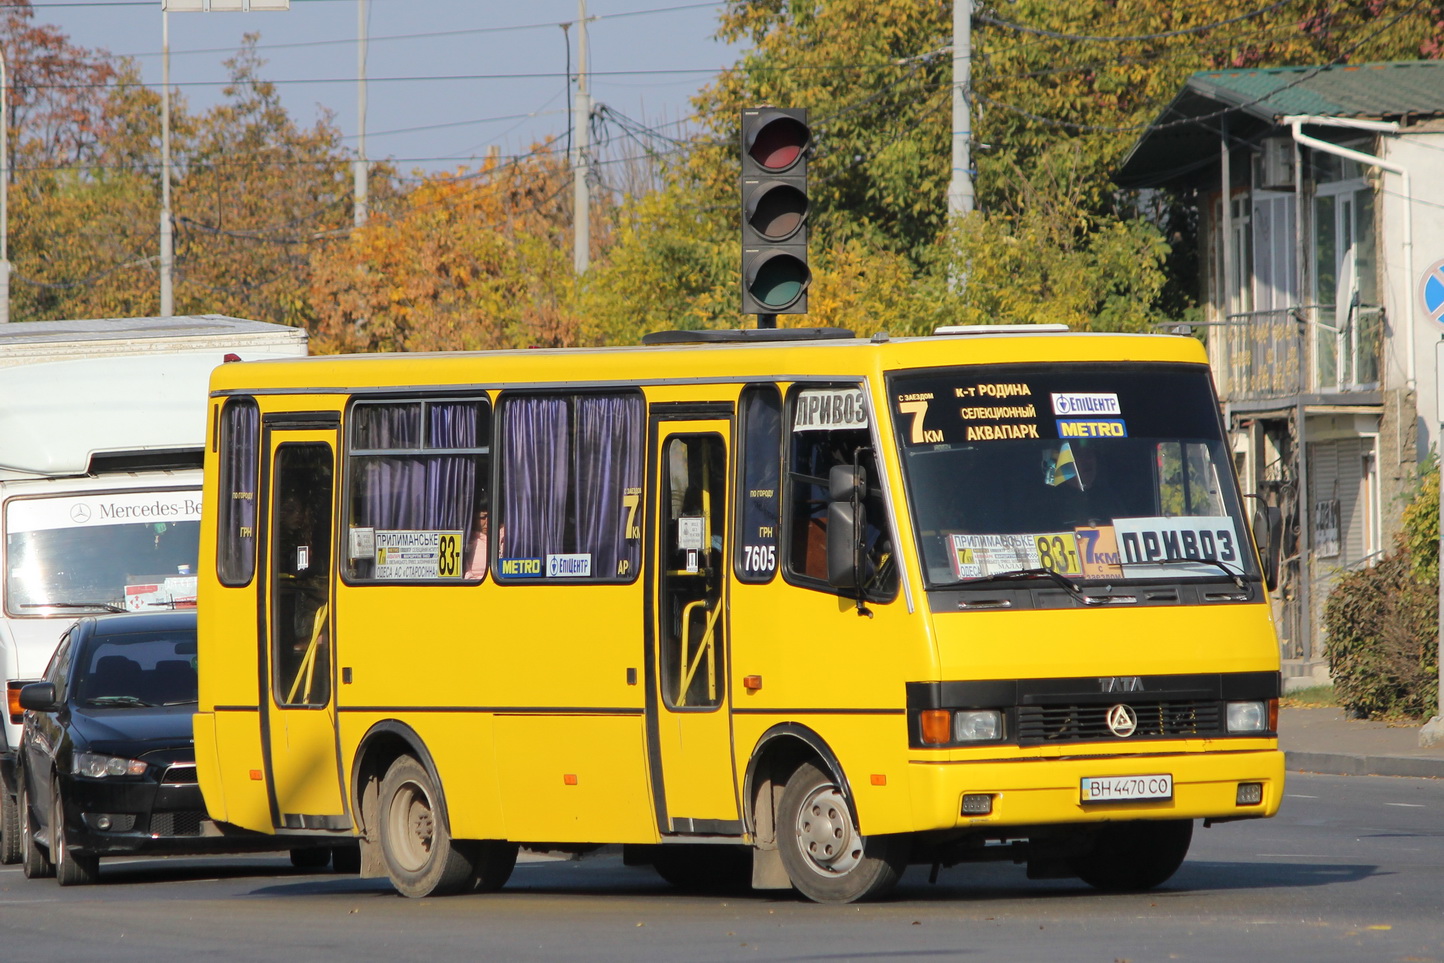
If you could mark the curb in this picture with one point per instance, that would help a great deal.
(1344, 764)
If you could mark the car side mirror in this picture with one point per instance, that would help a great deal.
(39, 696)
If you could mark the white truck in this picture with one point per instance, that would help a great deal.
(102, 428)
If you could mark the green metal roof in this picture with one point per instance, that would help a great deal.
(1185, 136)
(1411, 88)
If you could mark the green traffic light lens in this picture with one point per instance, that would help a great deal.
(780, 281)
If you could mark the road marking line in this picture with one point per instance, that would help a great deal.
(1407, 805)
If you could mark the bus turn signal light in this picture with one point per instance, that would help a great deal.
(937, 726)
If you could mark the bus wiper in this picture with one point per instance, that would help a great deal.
(108, 606)
(1068, 585)
(1236, 576)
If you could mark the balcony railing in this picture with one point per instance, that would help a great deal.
(1275, 355)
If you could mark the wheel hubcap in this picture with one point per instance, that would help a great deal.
(825, 834)
(413, 827)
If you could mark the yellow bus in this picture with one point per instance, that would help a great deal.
(784, 608)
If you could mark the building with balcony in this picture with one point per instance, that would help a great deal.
(1319, 193)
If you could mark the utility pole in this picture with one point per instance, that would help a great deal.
(960, 187)
(167, 241)
(4, 192)
(361, 205)
(581, 202)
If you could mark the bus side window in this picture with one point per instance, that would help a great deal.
(759, 494)
(236, 544)
(418, 468)
(830, 428)
(569, 503)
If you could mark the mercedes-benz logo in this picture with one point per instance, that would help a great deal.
(1122, 721)
(80, 514)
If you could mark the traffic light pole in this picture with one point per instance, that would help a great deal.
(767, 321)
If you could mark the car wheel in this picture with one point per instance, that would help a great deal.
(71, 869)
(421, 857)
(9, 828)
(826, 858)
(1134, 856)
(36, 862)
(312, 857)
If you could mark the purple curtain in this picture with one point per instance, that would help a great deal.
(394, 486)
(237, 556)
(534, 435)
(450, 479)
(606, 461)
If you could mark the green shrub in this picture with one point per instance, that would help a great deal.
(1382, 624)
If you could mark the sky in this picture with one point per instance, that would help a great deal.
(447, 79)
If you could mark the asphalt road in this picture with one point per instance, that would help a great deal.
(1351, 870)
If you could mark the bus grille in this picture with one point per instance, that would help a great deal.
(183, 823)
(1038, 725)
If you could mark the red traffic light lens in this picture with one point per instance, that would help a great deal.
(777, 211)
(779, 144)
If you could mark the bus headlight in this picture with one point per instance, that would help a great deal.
(1248, 717)
(977, 725)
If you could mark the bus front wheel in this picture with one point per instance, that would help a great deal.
(1134, 856)
(421, 857)
(826, 858)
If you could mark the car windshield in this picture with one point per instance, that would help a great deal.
(137, 669)
(1091, 471)
(130, 551)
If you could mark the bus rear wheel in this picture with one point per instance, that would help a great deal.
(826, 858)
(1133, 856)
(421, 857)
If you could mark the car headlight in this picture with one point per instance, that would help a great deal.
(977, 725)
(98, 766)
(1248, 717)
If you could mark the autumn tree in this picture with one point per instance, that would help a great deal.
(252, 191)
(255, 195)
(1059, 92)
(466, 260)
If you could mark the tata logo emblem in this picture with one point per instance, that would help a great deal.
(80, 514)
(1122, 721)
(1121, 683)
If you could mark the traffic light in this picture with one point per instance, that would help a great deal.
(775, 276)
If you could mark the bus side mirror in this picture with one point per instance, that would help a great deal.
(846, 519)
(1268, 535)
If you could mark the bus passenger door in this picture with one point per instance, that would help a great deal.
(299, 724)
(689, 724)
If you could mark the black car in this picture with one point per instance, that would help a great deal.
(107, 754)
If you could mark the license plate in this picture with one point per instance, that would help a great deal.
(1097, 789)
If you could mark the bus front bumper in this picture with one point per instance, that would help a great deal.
(1213, 785)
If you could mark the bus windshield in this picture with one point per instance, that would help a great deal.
(1101, 472)
(78, 554)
